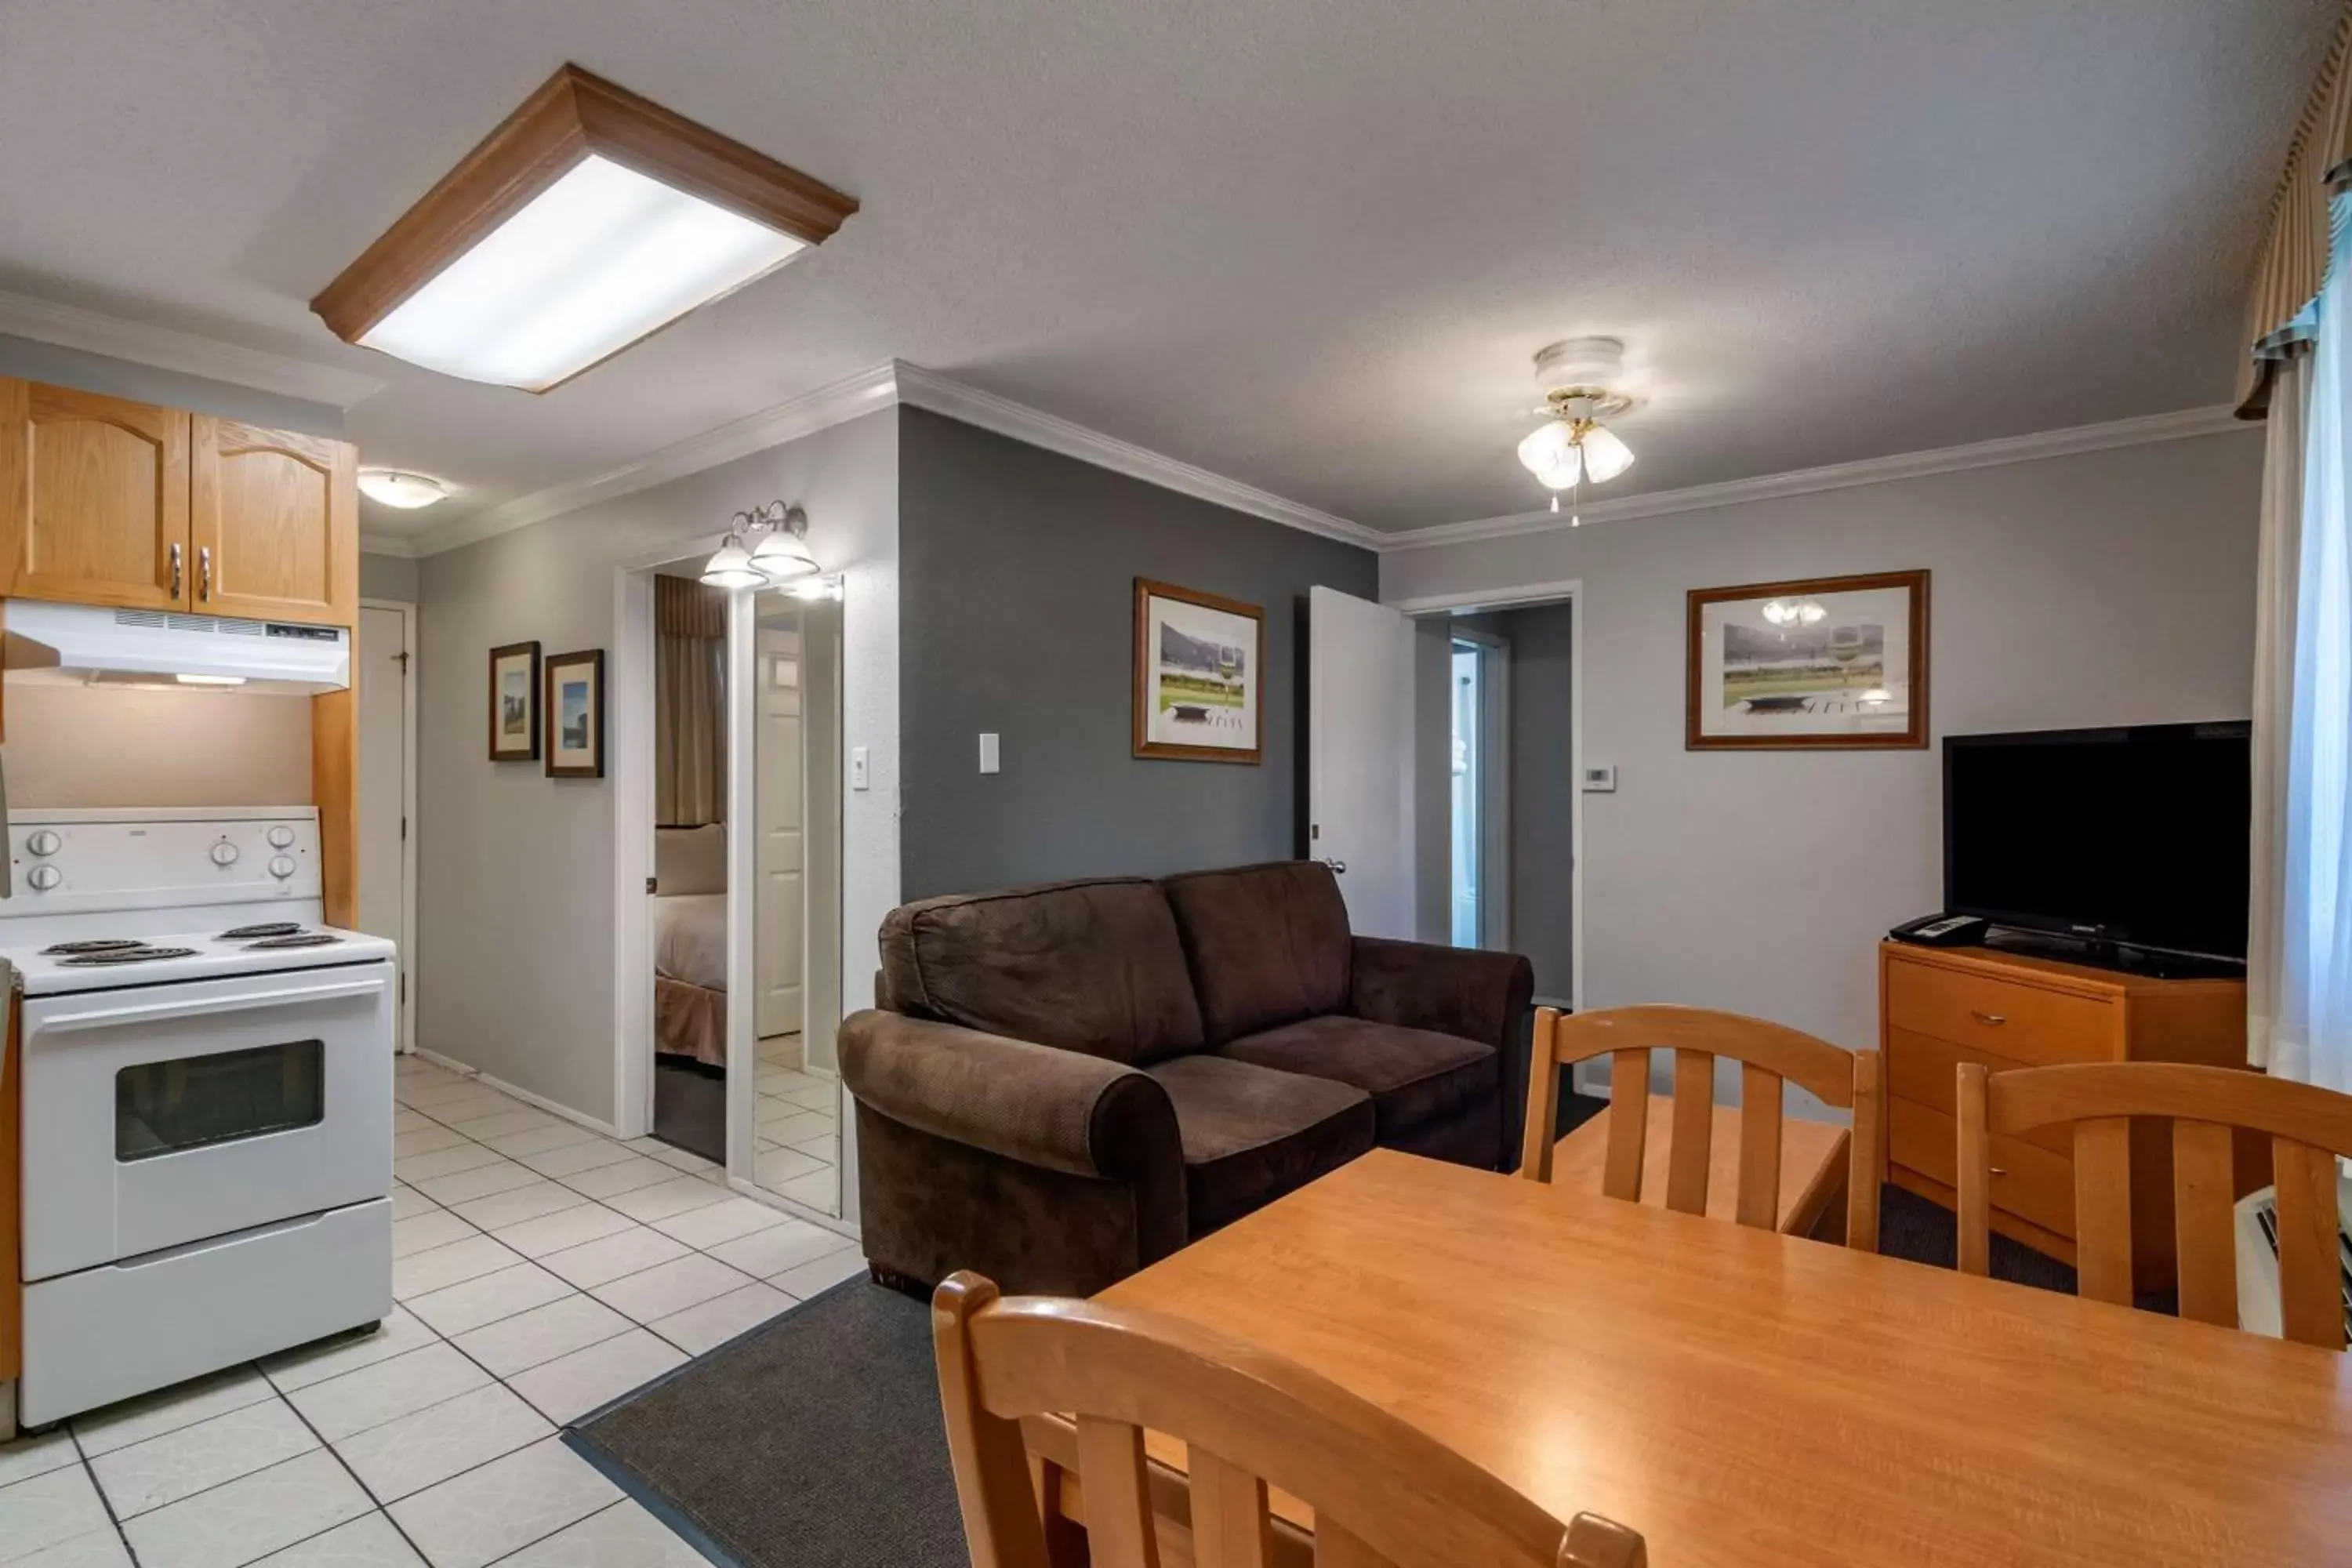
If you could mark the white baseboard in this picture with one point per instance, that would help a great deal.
(577, 1117)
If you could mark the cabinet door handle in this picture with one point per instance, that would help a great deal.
(1991, 1019)
(205, 573)
(1998, 1170)
(175, 570)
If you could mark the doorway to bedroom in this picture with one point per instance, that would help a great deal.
(687, 892)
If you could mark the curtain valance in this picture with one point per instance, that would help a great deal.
(2293, 263)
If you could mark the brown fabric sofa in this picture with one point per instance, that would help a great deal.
(1063, 1083)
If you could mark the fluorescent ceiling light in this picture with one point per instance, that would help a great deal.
(589, 266)
(406, 492)
(591, 218)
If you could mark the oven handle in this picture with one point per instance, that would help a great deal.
(153, 1012)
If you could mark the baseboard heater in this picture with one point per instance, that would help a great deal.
(2257, 1258)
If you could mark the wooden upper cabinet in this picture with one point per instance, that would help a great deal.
(273, 524)
(93, 498)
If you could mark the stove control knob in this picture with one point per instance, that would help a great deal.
(44, 877)
(224, 853)
(281, 867)
(281, 838)
(41, 841)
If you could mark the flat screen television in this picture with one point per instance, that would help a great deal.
(2133, 836)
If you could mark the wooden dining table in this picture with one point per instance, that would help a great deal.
(1745, 1398)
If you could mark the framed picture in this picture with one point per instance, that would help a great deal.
(1835, 661)
(1200, 675)
(575, 715)
(514, 702)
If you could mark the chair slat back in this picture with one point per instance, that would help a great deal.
(2308, 1127)
(1385, 1495)
(1770, 1055)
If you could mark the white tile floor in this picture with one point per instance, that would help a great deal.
(542, 1271)
(799, 1152)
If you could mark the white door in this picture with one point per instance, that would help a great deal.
(1359, 756)
(382, 654)
(780, 915)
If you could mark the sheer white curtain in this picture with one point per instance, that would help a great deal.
(2299, 957)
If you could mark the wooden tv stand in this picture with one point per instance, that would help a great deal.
(1940, 1006)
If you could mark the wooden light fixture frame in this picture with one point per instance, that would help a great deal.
(573, 115)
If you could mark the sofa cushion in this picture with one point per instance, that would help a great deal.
(1415, 1077)
(1089, 966)
(1251, 1134)
(1267, 944)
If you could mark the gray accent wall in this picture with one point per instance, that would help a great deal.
(515, 870)
(1543, 795)
(1017, 618)
(28, 361)
(2111, 587)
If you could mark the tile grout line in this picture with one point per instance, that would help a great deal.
(365, 1491)
(99, 1487)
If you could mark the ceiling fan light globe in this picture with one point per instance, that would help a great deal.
(1542, 450)
(1605, 455)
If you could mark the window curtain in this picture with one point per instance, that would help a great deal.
(689, 703)
(2298, 375)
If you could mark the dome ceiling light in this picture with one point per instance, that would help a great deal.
(406, 492)
(1580, 377)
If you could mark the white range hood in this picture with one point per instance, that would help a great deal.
(86, 646)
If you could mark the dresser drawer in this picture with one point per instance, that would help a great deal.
(2028, 1181)
(1923, 1069)
(2023, 1023)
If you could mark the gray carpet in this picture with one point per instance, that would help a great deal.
(814, 1440)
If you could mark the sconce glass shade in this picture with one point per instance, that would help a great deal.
(781, 557)
(731, 567)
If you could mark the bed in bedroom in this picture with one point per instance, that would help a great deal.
(690, 910)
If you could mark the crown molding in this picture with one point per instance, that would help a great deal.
(2143, 431)
(886, 385)
(837, 404)
(163, 348)
(920, 388)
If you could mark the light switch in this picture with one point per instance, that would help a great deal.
(1600, 781)
(988, 753)
(857, 767)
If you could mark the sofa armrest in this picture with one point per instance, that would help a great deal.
(1477, 995)
(1037, 1105)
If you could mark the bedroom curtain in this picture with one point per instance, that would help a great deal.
(689, 703)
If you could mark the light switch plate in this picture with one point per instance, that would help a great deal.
(988, 753)
(857, 767)
(1600, 781)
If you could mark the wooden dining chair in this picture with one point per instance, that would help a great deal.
(1383, 1492)
(1769, 1055)
(2308, 1127)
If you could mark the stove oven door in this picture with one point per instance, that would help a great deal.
(157, 1115)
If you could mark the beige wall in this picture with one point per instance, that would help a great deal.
(388, 577)
(2112, 588)
(515, 870)
(80, 745)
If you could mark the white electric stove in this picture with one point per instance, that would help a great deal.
(206, 1093)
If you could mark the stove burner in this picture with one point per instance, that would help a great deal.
(95, 944)
(299, 939)
(136, 952)
(247, 933)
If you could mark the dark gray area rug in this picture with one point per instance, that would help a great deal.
(815, 1440)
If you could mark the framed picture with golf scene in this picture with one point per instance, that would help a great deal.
(575, 714)
(1837, 662)
(1200, 675)
(514, 703)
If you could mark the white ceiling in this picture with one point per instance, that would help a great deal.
(1307, 245)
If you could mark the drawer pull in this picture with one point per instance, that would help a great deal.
(1998, 1170)
(1992, 1020)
